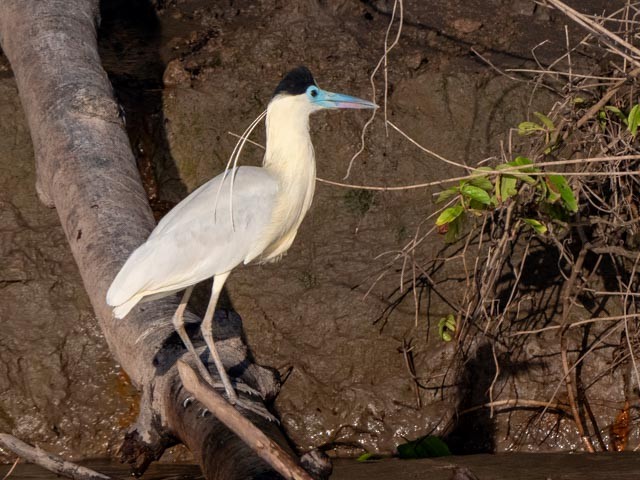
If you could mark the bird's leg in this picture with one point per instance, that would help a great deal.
(207, 333)
(178, 324)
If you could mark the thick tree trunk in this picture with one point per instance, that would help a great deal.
(85, 168)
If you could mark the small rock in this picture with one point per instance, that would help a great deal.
(415, 59)
(175, 75)
(466, 25)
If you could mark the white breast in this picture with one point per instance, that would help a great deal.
(290, 158)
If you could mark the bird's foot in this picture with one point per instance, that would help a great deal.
(244, 388)
(257, 408)
(235, 385)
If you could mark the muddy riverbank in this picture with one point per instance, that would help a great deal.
(187, 72)
(512, 466)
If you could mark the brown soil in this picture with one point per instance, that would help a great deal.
(346, 384)
(512, 466)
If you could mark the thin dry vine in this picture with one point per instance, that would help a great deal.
(547, 236)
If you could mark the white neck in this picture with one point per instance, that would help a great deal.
(290, 158)
(289, 150)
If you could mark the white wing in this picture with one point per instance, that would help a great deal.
(192, 243)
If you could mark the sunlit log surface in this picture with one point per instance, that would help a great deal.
(86, 170)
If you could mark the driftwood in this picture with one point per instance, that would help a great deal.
(266, 448)
(49, 461)
(86, 170)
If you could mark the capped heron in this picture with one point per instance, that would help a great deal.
(244, 214)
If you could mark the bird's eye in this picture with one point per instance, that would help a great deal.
(314, 93)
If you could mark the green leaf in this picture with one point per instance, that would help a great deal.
(562, 187)
(447, 327)
(527, 128)
(447, 194)
(482, 182)
(578, 100)
(618, 113)
(450, 214)
(508, 186)
(476, 193)
(553, 195)
(542, 190)
(546, 121)
(634, 120)
(551, 148)
(519, 161)
(424, 447)
(453, 230)
(477, 208)
(602, 119)
(538, 227)
(366, 457)
(519, 173)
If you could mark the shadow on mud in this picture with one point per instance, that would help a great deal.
(130, 40)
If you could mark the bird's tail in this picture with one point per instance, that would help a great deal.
(120, 311)
(126, 288)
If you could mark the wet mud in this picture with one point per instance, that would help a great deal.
(511, 466)
(187, 73)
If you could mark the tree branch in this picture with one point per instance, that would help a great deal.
(86, 169)
(51, 462)
(266, 448)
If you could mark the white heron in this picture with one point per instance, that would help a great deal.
(244, 215)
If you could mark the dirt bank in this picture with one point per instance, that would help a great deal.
(346, 386)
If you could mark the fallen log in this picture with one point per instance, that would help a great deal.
(86, 170)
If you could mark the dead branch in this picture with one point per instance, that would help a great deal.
(51, 462)
(593, 118)
(518, 403)
(266, 448)
(595, 27)
(568, 379)
(85, 168)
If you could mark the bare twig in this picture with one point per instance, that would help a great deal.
(568, 379)
(264, 447)
(597, 215)
(49, 461)
(397, 5)
(407, 352)
(597, 28)
(518, 402)
(13, 467)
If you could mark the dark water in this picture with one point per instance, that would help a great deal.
(517, 466)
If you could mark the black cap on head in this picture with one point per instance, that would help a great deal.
(295, 82)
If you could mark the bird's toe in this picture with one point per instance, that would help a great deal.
(258, 409)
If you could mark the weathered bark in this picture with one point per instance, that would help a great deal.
(85, 168)
(48, 461)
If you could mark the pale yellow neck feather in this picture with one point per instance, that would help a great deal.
(290, 158)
